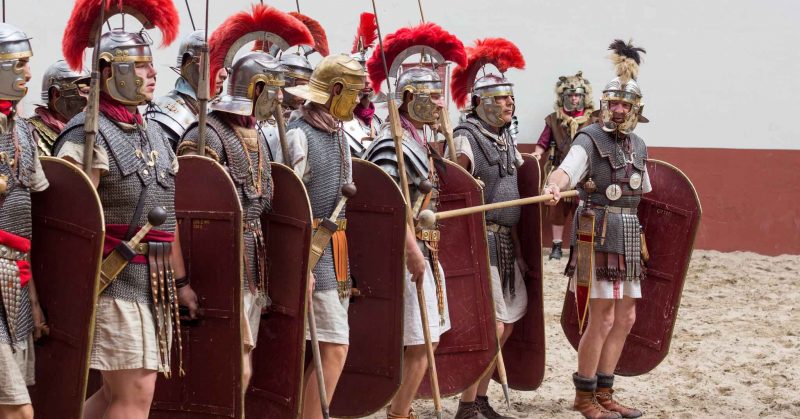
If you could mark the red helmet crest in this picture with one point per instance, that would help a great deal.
(499, 52)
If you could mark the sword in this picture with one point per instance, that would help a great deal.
(282, 134)
(319, 242)
(428, 218)
(397, 135)
(119, 258)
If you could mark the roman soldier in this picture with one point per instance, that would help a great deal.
(321, 158)
(176, 111)
(573, 112)
(252, 96)
(420, 92)
(298, 73)
(20, 174)
(133, 168)
(362, 129)
(485, 148)
(64, 93)
(606, 164)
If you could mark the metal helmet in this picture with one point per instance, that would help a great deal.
(298, 68)
(484, 91)
(334, 69)
(567, 86)
(246, 73)
(623, 88)
(68, 83)
(14, 46)
(122, 51)
(422, 83)
(189, 57)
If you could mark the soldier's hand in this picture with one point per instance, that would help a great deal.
(188, 299)
(538, 156)
(522, 265)
(415, 263)
(39, 322)
(555, 191)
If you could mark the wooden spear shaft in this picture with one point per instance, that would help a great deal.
(488, 207)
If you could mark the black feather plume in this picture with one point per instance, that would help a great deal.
(627, 50)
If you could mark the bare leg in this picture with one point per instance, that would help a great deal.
(247, 369)
(624, 317)
(415, 366)
(601, 320)
(131, 393)
(96, 405)
(16, 411)
(481, 387)
(333, 357)
(558, 232)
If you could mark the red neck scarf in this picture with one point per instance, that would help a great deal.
(117, 111)
(575, 113)
(49, 118)
(6, 107)
(365, 114)
(248, 121)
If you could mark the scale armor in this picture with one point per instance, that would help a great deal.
(119, 191)
(15, 218)
(605, 157)
(221, 138)
(328, 175)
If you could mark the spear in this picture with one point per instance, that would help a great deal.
(397, 135)
(202, 91)
(93, 105)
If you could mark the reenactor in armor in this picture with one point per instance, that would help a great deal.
(298, 73)
(20, 174)
(178, 109)
(485, 148)
(606, 164)
(133, 168)
(321, 158)
(362, 129)
(420, 92)
(64, 93)
(573, 112)
(254, 91)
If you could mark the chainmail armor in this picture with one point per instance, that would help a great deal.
(15, 218)
(223, 140)
(329, 162)
(119, 190)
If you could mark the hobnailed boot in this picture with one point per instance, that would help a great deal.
(390, 415)
(468, 410)
(585, 401)
(605, 397)
(556, 253)
(482, 403)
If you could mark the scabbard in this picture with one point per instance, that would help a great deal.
(113, 264)
(584, 266)
(320, 240)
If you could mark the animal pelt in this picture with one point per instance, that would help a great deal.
(626, 59)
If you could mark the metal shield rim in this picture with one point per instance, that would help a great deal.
(88, 182)
(356, 160)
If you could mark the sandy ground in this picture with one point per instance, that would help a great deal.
(734, 353)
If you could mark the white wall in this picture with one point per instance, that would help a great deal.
(719, 73)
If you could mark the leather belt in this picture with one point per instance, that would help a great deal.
(12, 254)
(340, 223)
(611, 209)
(428, 235)
(497, 228)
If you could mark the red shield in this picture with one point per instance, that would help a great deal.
(67, 248)
(375, 238)
(210, 220)
(466, 350)
(523, 353)
(670, 216)
(277, 384)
